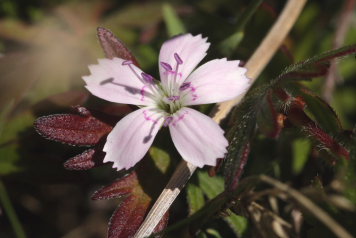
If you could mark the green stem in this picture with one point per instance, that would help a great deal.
(10, 211)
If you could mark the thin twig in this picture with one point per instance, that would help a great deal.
(255, 65)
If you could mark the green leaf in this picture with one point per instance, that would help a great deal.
(161, 158)
(301, 150)
(237, 223)
(195, 198)
(314, 66)
(211, 186)
(213, 233)
(228, 45)
(173, 23)
(241, 134)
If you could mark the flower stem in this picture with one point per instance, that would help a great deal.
(10, 211)
(255, 65)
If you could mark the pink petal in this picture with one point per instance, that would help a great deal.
(132, 137)
(190, 49)
(216, 81)
(115, 82)
(197, 137)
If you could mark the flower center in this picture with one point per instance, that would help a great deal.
(168, 96)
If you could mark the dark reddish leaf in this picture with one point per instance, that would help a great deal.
(119, 188)
(297, 116)
(113, 46)
(269, 121)
(89, 159)
(131, 212)
(127, 218)
(241, 166)
(327, 141)
(162, 223)
(80, 130)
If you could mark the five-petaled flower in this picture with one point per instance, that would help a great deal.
(196, 136)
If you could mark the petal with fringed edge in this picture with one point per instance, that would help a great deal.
(120, 81)
(190, 50)
(198, 139)
(132, 136)
(215, 81)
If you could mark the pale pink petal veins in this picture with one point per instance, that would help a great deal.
(190, 50)
(215, 81)
(132, 136)
(116, 80)
(198, 139)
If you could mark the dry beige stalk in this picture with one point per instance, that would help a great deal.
(255, 65)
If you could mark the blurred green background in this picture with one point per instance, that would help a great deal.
(45, 48)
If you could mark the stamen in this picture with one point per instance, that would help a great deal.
(166, 66)
(143, 93)
(148, 78)
(178, 59)
(185, 86)
(127, 62)
(167, 121)
(173, 98)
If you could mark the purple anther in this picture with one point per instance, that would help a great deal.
(166, 66)
(127, 62)
(185, 86)
(178, 59)
(167, 121)
(173, 98)
(148, 78)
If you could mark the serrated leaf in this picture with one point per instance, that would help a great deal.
(195, 198)
(173, 23)
(80, 130)
(113, 46)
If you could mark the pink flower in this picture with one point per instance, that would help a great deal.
(196, 136)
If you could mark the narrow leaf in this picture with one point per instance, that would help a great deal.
(113, 46)
(173, 23)
(315, 66)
